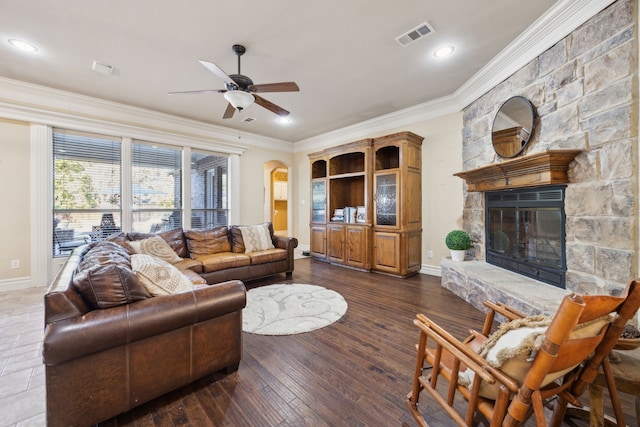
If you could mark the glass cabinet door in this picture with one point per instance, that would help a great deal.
(319, 201)
(386, 199)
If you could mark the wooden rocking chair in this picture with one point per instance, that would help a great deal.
(565, 358)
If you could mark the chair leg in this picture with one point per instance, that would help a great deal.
(613, 391)
(559, 411)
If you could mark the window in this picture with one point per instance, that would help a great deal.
(90, 172)
(209, 190)
(156, 178)
(86, 189)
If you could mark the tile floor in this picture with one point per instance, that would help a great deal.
(22, 384)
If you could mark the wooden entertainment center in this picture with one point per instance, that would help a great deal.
(366, 204)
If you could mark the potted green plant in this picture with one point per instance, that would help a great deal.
(458, 242)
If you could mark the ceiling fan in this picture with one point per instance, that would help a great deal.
(240, 91)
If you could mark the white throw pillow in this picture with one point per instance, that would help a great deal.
(256, 238)
(157, 247)
(158, 276)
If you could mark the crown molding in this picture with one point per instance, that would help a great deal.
(40, 104)
(560, 20)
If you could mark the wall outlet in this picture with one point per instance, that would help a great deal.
(429, 254)
(15, 263)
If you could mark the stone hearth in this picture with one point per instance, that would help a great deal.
(477, 281)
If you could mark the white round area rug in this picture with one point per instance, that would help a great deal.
(286, 309)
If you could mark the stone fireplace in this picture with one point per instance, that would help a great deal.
(585, 93)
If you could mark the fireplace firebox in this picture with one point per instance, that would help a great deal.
(525, 232)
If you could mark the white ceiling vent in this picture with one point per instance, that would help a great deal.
(249, 119)
(414, 35)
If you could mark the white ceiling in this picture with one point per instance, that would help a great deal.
(341, 53)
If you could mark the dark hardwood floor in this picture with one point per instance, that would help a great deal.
(355, 372)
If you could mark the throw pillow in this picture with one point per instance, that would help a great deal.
(513, 346)
(158, 276)
(104, 277)
(155, 246)
(256, 238)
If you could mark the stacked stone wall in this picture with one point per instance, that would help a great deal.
(585, 93)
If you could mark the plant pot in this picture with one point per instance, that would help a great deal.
(457, 255)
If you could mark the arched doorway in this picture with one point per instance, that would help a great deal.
(276, 209)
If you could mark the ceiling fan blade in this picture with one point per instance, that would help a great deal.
(275, 87)
(197, 92)
(271, 106)
(228, 113)
(218, 72)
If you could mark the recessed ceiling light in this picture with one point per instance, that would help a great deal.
(23, 45)
(284, 120)
(443, 51)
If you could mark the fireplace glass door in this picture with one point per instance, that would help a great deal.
(525, 233)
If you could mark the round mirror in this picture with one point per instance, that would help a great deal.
(512, 127)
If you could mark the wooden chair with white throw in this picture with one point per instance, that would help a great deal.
(508, 375)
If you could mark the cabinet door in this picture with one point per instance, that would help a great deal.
(280, 190)
(335, 243)
(357, 247)
(319, 242)
(386, 199)
(386, 252)
(319, 201)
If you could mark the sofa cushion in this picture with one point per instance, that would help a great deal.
(158, 276)
(122, 239)
(205, 242)
(175, 239)
(155, 246)
(256, 238)
(237, 243)
(189, 264)
(222, 261)
(193, 277)
(269, 255)
(104, 278)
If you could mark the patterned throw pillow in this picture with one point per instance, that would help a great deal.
(158, 276)
(155, 246)
(256, 238)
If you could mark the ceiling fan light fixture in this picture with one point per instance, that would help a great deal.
(239, 99)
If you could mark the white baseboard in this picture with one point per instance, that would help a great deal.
(431, 270)
(15, 284)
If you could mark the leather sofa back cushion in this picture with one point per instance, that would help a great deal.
(205, 242)
(104, 278)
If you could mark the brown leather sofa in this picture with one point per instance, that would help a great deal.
(110, 346)
(219, 254)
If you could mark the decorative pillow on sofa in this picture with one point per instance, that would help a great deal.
(174, 237)
(104, 278)
(155, 246)
(207, 242)
(158, 276)
(256, 238)
(513, 346)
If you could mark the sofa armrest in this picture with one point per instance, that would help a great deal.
(288, 243)
(99, 330)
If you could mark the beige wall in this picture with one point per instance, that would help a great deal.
(441, 191)
(252, 182)
(14, 191)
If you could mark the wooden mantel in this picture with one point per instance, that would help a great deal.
(546, 168)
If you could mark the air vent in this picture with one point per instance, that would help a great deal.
(416, 34)
(249, 119)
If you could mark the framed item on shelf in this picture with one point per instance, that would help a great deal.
(361, 214)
